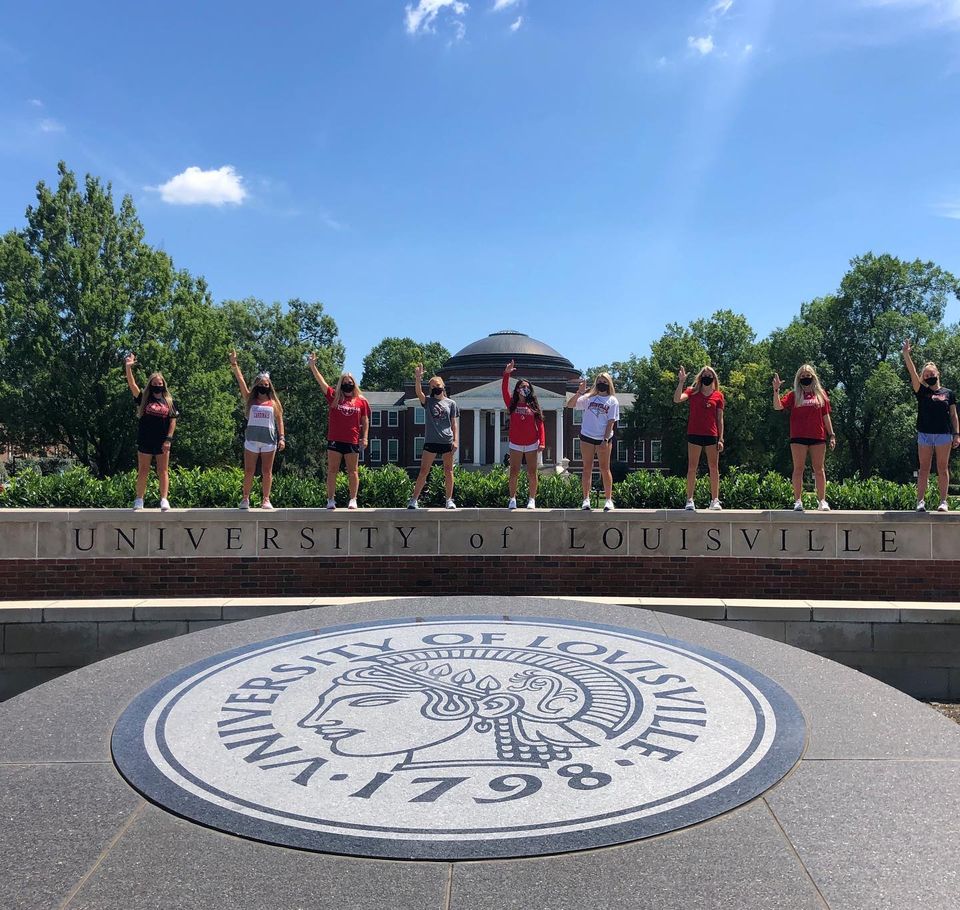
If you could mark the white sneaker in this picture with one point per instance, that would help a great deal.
(608, 506)
(689, 507)
(412, 504)
(331, 504)
(944, 506)
(164, 505)
(715, 505)
(531, 503)
(451, 504)
(137, 505)
(921, 506)
(824, 506)
(586, 507)
(798, 505)
(352, 504)
(266, 504)
(244, 504)
(512, 504)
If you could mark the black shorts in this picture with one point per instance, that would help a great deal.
(150, 448)
(592, 441)
(804, 441)
(438, 448)
(697, 440)
(344, 448)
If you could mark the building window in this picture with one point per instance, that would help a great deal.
(577, 456)
(418, 447)
(419, 416)
(639, 451)
(622, 454)
(577, 418)
(655, 451)
(393, 418)
(376, 418)
(374, 449)
(393, 450)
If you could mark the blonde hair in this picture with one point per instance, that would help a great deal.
(145, 394)
(338, 395)
(593, 390)
(798, 390)
(696, 380)
(272, 394)
(930, 363)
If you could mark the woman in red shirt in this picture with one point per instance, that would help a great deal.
(704, 429)
(810, 428)
(348, 428)
(527, 437)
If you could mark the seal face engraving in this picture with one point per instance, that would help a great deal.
(458, 738)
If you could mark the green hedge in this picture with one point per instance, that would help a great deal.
(390, 487)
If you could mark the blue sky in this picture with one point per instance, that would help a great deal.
(582, 171)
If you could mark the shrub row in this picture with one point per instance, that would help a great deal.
(390, 487)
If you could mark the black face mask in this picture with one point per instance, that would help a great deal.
(347, 387)
(932, 380)
(602, 387)
(435, 392)
(524, 393)
(706, 380)
(157, 389)
(262, 390)
(806, 380)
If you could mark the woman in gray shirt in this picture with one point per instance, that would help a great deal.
(441, 435)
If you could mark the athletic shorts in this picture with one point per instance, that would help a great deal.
(150, 448)
(806, 441)
(344, 448)
(592, 441)
(934, 439)
(533, 447)
(261, 448)
(697, 440)
(438, 448)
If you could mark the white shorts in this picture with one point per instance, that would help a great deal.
(260, 448)
(533, 447)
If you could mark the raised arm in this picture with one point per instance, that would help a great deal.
(777, 382)
(417, 383)
(906, 350)
(505, 384)
(679, 394)
(128, 364)
(576, 396)
(238, 375)
(312, 361)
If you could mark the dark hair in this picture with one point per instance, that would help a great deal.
(531, 402)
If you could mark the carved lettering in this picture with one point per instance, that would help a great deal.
(846, 542)
(506, 531)
(405, 536)
(476, 541)
(646, 542)
(370, 532)
(619, 539)
(713, 539)
(307, 542)
(76, 538)
(573, 539)
(196, 540)
(131, 541)
(750, 543)
(810, 547)
(888, 537)
(270, 539)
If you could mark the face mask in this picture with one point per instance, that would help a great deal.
(347, 387)
(932, 380)
(706, 380)
(524, 393)
(157, 389)
(602, 387)
(435, 392)
(806, 380)
(262, 390)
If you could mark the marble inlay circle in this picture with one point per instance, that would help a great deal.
(458, 737)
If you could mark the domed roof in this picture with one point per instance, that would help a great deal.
(497, 348)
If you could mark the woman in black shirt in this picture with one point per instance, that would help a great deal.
(157, 415)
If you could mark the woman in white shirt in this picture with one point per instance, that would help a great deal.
(601, 411)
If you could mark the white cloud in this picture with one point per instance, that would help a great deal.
(421, 18)
(198, 187)
(515, 25)
(948, 210)
(36, 102)
(935, 12)
(702, 46)
(49, 125)
(662, 62)
(504, 4)
(721, 7)
(747, 50)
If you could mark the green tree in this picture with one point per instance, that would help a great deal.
(390, 363)
(78, 288)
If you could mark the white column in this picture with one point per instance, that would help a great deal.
(496, 436)
(476, 436)
(559, 456)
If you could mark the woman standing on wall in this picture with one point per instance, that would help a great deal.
(601, 411)
(810, 429)
(704, 429)
(264, 434)
(348, 428)
(157, 421)
(937, 427)
(527, 438)
(441, 435)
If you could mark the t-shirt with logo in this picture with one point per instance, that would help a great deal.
(702, 419)
(933, 409)
(438, 424)
(262, 424)
(806, 415)
(154, 424)
(597, 411)
(526, 428)
(346, 418)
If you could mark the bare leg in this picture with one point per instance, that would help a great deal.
(533, 478)
(713, 466)
(515, 460)
(799, 455)
(587, 450)
(693, 460)
(266, 472)
(818, 457)
(143, 472)
(353, 474)
(163, 474)
(943, 469)
(333, 466)
(603, 455)
(448, 474)
(426, 463)
(926, 457)
(249, 469)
